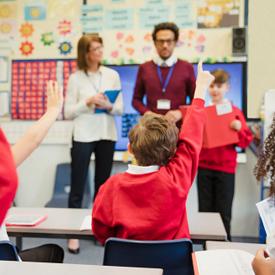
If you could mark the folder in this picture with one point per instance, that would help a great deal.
(25, 220)
(217, 131)
(112, 96)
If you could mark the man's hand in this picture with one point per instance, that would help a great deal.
(173, 116)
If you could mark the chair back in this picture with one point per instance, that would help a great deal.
(173, 256)
(8, 251)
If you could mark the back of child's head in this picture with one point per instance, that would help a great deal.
(221, 76)
(153, 140)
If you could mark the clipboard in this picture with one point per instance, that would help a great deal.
(112, 96)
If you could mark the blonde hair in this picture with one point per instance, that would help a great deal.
(153, 140)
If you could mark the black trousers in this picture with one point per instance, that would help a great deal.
(81, 154)
(216, 192)
(50, 253)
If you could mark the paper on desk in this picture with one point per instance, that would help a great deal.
(223, 261)
(87, 223)
(266, 210)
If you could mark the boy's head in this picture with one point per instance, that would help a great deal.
(153, 141)
(219, 86)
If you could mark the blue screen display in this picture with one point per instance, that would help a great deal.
(128, 74)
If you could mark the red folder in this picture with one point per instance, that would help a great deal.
(217, 131)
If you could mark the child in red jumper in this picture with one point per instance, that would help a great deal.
(216, 174)
(148, 201)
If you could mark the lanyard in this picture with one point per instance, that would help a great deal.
(165, 83)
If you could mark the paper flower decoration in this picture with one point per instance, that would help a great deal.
(47, 38)
(26, 30)
(26, 48)
(65, 48)
(64, 27)
(5, 27)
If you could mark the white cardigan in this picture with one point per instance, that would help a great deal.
(88, 125)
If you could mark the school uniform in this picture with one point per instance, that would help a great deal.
(8, 186)
(216, 174)
(149, 203)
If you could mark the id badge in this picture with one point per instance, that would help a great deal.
(224, 108)
(164, 104)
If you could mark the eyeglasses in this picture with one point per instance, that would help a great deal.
(161, 42)
(97, 49)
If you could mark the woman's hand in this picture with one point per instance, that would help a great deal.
(54, 97)
(262, 264)
(103, 103)
(94, 99)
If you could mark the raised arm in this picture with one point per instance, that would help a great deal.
(35, 134)
(185, 162)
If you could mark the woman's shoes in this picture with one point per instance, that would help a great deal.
(73, 246)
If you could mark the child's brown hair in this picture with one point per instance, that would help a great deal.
(153, 140)
(265, 167)
(221, 76)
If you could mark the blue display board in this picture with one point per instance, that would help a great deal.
(128, 74)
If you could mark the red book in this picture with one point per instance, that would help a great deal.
(217, 131)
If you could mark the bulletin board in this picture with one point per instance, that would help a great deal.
(44, 33)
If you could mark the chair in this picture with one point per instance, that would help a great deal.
(62, 188)
(8, 251)
(173, 256)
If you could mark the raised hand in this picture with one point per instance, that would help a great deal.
(204, 79)
(54, 96)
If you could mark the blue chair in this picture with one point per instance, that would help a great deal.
(173, 256)
(8, 251)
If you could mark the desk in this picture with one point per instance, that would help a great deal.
(65, 223)
(28, 268)
(206, 226)
(248, 247)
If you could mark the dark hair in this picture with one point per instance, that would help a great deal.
(153, 140)
(83, 47)
(166, 26)
(221, 76)
(265, 167)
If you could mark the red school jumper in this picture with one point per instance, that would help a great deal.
(224, 158)
(152, 206)
(8, 177)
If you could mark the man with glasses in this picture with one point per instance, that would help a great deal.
(165, 81)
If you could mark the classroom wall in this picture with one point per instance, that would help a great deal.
(261, 53)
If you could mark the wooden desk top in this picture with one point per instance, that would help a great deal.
(248, 247)
(65, 221)
(29, 268)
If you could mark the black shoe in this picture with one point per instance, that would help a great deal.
(74, 251)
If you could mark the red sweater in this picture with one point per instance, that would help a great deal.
(224, 158)
(8, 177)
(181, 84)
(152, 206)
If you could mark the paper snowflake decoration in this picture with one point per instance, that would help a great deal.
(47, 38)
(26, 30)
(65, 48)
(26, 48)
(64, 27)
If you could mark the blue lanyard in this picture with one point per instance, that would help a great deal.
(165, 83)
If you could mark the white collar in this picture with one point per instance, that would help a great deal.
(224, 101)
(99, 71)
(168, 62)
(139, 170)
